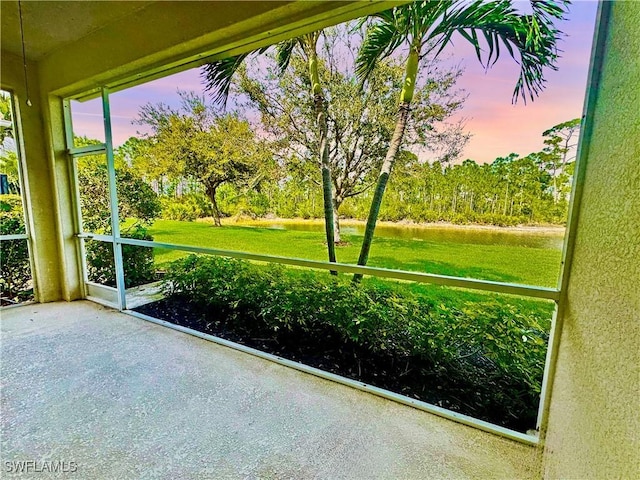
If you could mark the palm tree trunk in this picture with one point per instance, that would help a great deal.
(383, 178)
(336, 221)
(327, 195)
(406, 96)
(321, 118)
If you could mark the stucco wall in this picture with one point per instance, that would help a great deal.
(594, 425)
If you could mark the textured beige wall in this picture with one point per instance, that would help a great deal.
(594, 425)
(37, 178)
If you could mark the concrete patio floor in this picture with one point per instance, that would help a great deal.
(124, 398)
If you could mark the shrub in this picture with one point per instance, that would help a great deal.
(186, 208)
(138, 262)
(136, 200)
(487, 343)
(173, 210)
(15, 282)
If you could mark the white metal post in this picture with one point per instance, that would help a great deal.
(113, 194)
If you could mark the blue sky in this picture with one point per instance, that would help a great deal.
(498, 127)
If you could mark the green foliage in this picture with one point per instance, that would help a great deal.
(558, 157)
(15, 279)
(195, 142)
(360, 121)
(219, 75)
(136, 201)
(491, 341)
(8, 153)
(138, 262)
(186, 207)
(512, 190)
(6, 115)
(9, 166)
(426, 27)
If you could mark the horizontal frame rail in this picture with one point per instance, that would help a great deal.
(88, 150)
(449, 281)
(96, 236)
(17, 236)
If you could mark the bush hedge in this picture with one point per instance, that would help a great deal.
(138, 262)
(494, 347)
(186, 208)
(15, 281)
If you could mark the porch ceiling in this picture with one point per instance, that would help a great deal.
(49, 26)
(123, 398)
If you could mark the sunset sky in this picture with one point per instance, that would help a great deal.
(497, 126)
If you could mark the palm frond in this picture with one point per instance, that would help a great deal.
(533, 36)
(218, 75)
(381, 39)
(284, 51)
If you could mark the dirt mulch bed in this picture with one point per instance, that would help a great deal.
(468, 388)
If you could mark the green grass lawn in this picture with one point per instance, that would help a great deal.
(514, 264)
(506, 263)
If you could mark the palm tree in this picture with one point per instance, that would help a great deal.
(218, 76)
(426, 27)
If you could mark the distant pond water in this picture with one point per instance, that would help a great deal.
(532, 237)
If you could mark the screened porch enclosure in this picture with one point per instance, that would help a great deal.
(112, 257)
(119, 362)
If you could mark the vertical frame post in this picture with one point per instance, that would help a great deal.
(79, 221)
(16, 124)
(113, 195)
(68, 133)
(68, 123)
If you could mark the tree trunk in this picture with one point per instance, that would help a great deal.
(321, 118)
(383, 178)
(336, 221)
(506, 200)
(327, 191)
(216, 211)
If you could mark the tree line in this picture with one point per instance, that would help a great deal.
(511, 190)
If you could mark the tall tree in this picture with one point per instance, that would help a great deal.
(360, 120)
(560, 152)
(426, 27)
(218, 76)
(195, 142)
